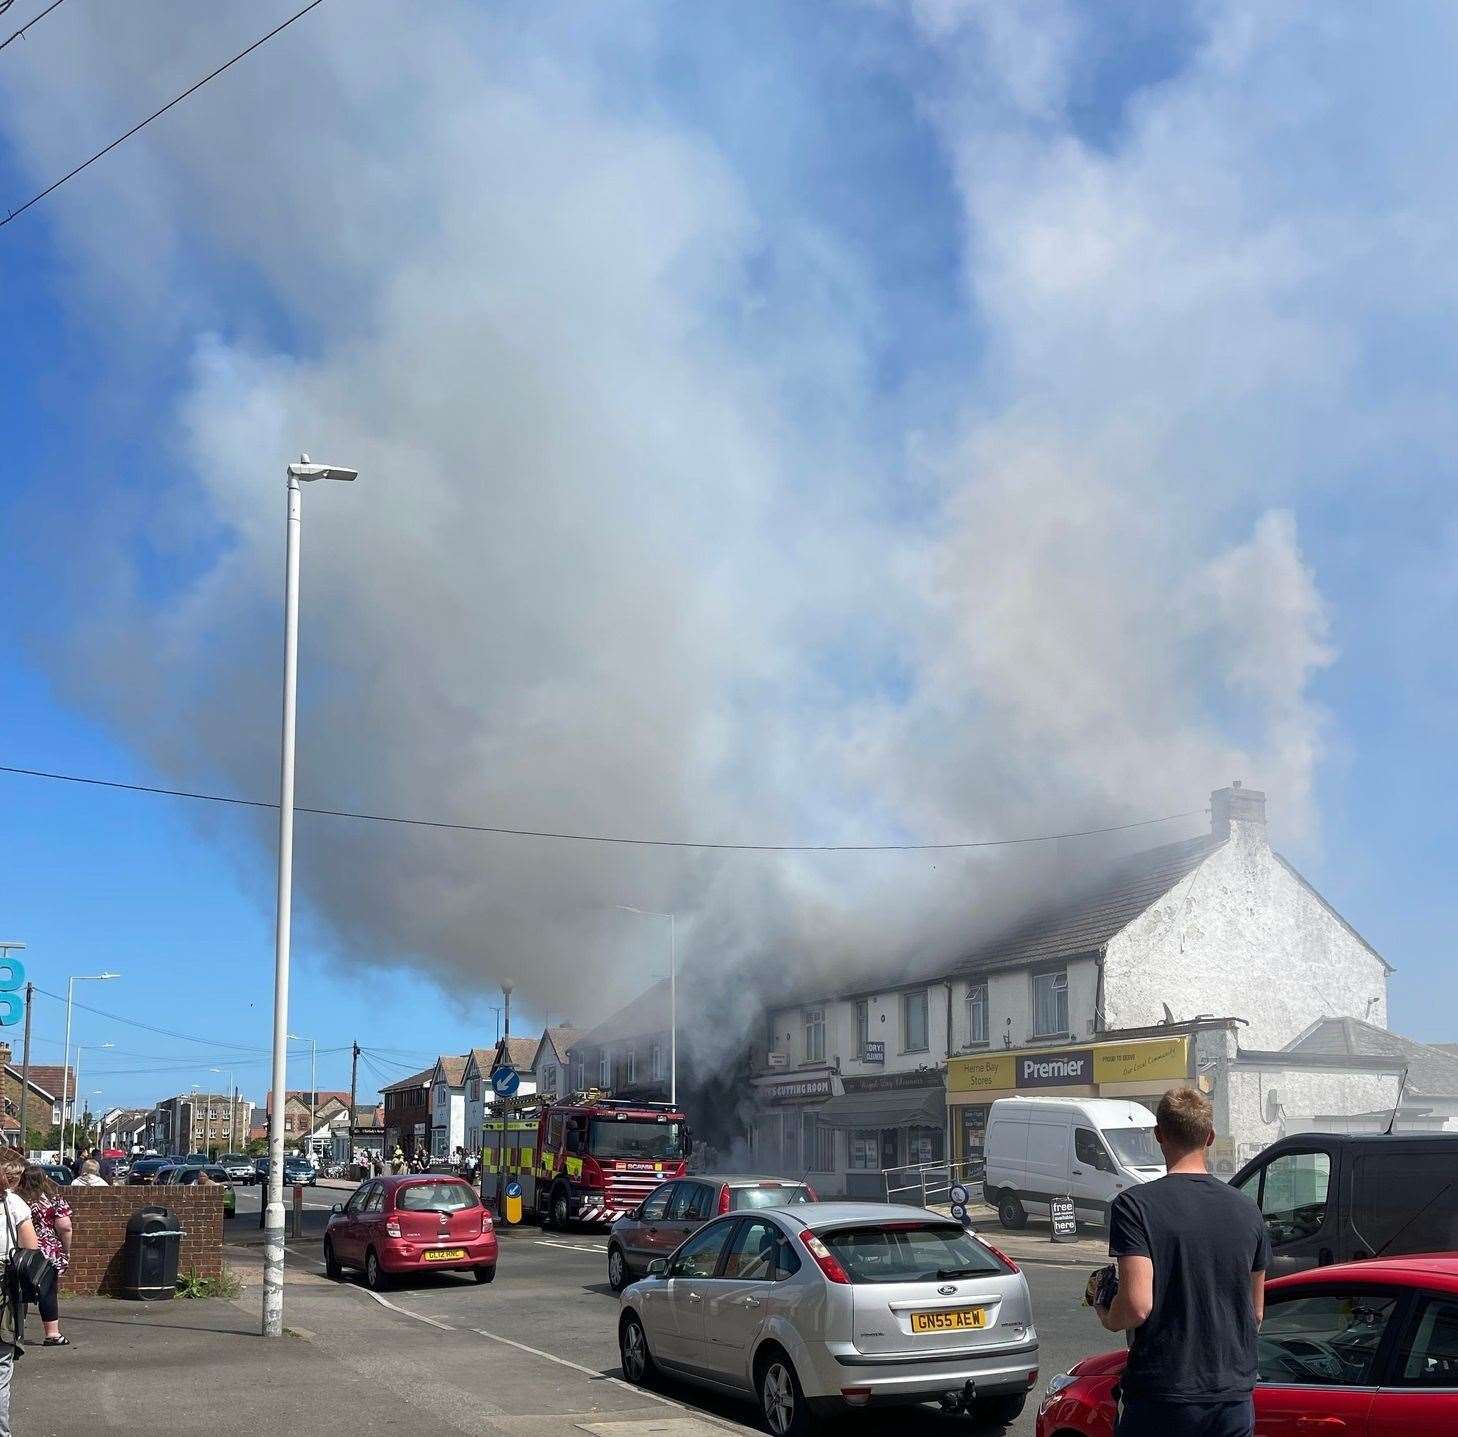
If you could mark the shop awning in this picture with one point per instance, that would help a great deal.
(901, 1108)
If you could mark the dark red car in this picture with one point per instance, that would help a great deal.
(411, 1223)
(1357, 1349)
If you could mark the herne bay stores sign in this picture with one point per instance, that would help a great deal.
(1156, 1060)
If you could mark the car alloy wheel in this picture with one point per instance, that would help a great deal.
(777, 1398)
(617, 1269)
(633, 1351)
(374, 1277)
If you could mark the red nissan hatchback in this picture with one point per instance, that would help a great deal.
(398, 1224)
(1364, 1348)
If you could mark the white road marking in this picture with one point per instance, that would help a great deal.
(566, 1246)
(405, 1312)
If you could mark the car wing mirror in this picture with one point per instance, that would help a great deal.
(338, 1207)
(658, 1267)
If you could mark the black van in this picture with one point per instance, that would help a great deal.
(1335, 1197)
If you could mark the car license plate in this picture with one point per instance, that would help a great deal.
(444, 1254)
(957, 1319)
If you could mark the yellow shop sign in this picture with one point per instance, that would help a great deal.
(1142, 1060)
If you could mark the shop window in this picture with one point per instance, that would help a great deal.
(814, 1019)
(924, 1145)
(914, 1022)
(863, 1026)
(976, 1015)
(1050, 1004)
(865, 1149)
(790, 1142)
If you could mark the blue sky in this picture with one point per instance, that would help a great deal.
(818, 423)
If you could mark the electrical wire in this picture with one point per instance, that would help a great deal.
(156, 114)
(152, 1028)
(594, 837)
(28, 23)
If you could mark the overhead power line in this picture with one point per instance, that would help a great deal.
(156, 114)
(597, 837)
(152, 1028)
(28, 23)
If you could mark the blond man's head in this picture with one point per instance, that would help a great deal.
(1184, 1122)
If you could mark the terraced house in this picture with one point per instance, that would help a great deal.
(1205, 961)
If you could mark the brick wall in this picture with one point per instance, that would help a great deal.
(99, 1219)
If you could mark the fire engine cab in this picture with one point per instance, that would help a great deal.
(597, 1158)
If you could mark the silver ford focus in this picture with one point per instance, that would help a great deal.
(827, 1306)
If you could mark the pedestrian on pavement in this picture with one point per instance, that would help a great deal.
(51, 1215)
(89, 1175)
(1191, 1253)
(397, 1160)
(19, 1232)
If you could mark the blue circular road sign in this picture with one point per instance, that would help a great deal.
(505, 1080)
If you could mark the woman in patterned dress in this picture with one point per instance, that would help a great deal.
(51, 1214)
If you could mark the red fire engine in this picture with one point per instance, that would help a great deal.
(598, 1158)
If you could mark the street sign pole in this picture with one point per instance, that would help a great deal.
(25, 1069)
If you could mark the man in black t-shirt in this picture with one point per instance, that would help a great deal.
(1192, 1254)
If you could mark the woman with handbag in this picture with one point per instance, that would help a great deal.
(51, 1215)
(19, 1237)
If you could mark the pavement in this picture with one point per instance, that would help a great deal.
(533, 1353)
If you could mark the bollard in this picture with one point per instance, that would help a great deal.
(297, 1213)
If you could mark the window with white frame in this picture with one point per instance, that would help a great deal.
(1050, 1003)
(655, 1058)
(548, 1083)
(814, 1034)
(976, 1014)
(473, 1090)
(863, 1026)
(605, 1069)
(632, 1065)
(914, 1022)
(579, 1075)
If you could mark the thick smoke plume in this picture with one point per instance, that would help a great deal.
(643, 541)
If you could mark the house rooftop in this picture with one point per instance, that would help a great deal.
(415, 1080)
(1432, 1071)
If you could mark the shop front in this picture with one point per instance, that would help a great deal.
(785, 1138)
(1143, 1069)
(885, 1121)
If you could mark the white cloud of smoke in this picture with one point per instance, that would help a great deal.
(623, 556)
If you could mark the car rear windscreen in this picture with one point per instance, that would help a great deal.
(910, 1252)
(435, 1197)
(780, 1195)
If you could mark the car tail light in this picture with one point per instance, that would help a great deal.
(485, 1221)
(1000, 1255)
(856, 1396)
(825, 1260)
(811, 1191)
(392, 1227)
(723, 1197)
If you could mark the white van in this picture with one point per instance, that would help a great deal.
(1088, 1149)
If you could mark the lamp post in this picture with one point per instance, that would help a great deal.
(66, 1090)
(672, 995)
(273, 1214)
(80, 1048)
(313, 1085)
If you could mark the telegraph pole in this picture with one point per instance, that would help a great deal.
(25, 1068)
(353, 1078)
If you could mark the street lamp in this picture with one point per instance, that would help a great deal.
(80, 1048)
(66, 1051)
(313, 1084)
(672, 995)
(273, 1214)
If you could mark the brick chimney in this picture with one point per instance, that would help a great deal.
(1239, 812)
(4, 1054)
